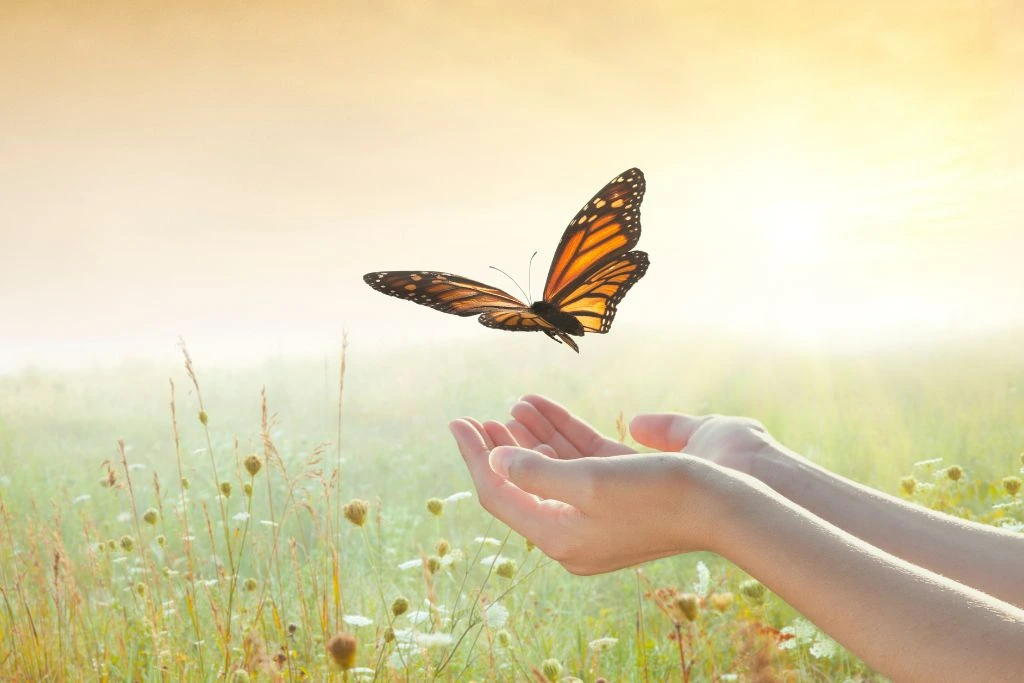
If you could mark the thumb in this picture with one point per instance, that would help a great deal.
(535, 472)
(664, 431)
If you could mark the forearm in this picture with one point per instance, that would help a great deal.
(906, 622)
(977, 555)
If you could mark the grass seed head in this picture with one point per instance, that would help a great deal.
(250, 584)
(552, 669)
(954, 472)
(433, 564)
(204, 418)
(442, 547)
(753, 590)
(253, 465)
(684, 606)
(225, 489)
(355, 511)
(150, 516)
(127, 543)
(400, 606)
(342, 649)
(435, 506)
(161, 540)
(247, 489)
(185, 483)
(1011, 485)
(506, 569)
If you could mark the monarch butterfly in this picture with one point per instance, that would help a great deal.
(591, 271)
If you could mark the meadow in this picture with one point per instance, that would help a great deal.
(298, 520)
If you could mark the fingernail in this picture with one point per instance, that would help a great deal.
(501, 458)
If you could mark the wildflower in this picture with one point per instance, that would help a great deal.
(225, 489)
(161, 540)
(253, 465)
(342, 649)
(356, 620)
(203, 417)
(355, 511)
(240, 516)
(400, 606)
(431, 640)
(506, 568)
(753, 590)
(552, 669)
(433, 564)
(703, 583)
(292, 628)
(389, 634)
(140, 588)
(602, 644)
(127, 543)
(954, 472)
(409, 564)
(150, 516)
(247, 489)
(1011, 485)
(81, 499)
(442, 547)
(908, 484)
(460, 495)
(684, 606)
(503, 638)
(721, 601)
(496, 615)
(185, 483)
(250, 584)
(435, 506)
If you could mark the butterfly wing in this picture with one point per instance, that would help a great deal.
(444, 292)
(593, 301)
(605, 228)
(526, 320)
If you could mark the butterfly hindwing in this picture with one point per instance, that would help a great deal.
(594, 300)
(606, 227)
(443, 291)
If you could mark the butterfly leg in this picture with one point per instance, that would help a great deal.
(563, 337)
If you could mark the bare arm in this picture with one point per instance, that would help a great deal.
(978, 555)
(601, 514)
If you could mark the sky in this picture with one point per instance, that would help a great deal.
(824, 172)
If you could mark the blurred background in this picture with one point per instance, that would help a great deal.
(826, 174)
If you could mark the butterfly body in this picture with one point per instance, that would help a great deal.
(591, 272)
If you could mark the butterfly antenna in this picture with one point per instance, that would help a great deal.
(529, 277)
(528, 300)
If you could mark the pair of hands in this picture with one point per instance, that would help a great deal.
(596, 505)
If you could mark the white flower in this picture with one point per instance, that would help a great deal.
(124, 517)
(431, 640)
(460, 495)
(703, 583)
(927, 463)
(418, 617)
(241, 516)
(493, 559)
(496, 615)
(823, 647)
(409, 564)
(267, 522)
(487, 540)
(602, 644)
(136, 466)
(81, 499)
(356, 620)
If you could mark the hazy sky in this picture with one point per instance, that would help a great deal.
(832, 171)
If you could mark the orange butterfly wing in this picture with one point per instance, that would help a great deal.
(605, 228)
(594, 300)
(444, 292)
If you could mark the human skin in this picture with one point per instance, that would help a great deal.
(918, 595)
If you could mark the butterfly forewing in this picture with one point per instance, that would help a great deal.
(594, 301)
(606, 227)
(443, 291)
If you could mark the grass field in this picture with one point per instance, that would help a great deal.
(166, 558)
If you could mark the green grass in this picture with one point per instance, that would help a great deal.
(89, 589)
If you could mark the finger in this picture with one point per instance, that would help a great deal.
(584, 438)
(503, 499)
(545, 449)
(540, 475)
(500, 434)
(542, 429)
(480, 428)
(522, 435)
(664, 431)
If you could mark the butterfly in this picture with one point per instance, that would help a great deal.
(592, 269)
